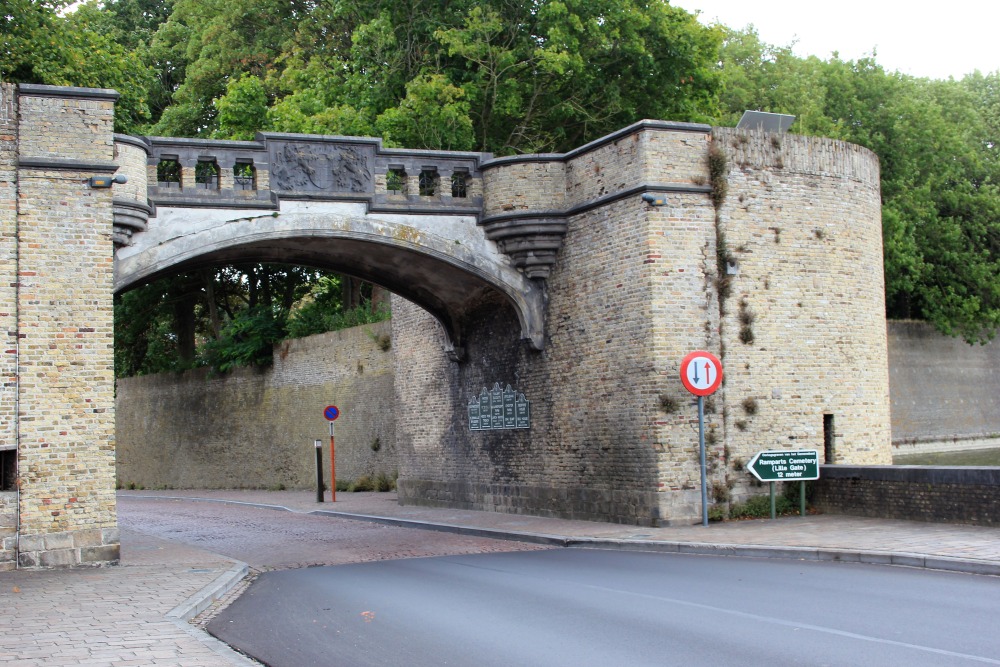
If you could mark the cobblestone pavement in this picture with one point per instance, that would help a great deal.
(935, 544)
(269, 540)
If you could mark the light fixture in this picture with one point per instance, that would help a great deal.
(107, 181)
(654, 200)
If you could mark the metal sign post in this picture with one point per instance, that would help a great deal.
(701, 374)
(331, 412)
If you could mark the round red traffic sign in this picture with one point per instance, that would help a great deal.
(701, 373)
(331, 412)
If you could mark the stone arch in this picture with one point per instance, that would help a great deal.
(448, 277)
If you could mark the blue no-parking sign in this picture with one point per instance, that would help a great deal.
(331, 412)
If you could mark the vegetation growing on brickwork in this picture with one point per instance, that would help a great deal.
(746, 317)
(750, 406)
(668, 403)
(717, 166)
(382, 341)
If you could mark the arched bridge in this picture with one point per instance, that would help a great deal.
(409, 221)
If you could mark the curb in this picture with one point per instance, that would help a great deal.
(903, 559)
(204, 598)
(182, 614)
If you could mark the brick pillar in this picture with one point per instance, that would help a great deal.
(8, 317)
(66, 455)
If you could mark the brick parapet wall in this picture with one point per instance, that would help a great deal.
(131, 158)
(66, 449)
(255, 428)
(528, 186)
(916, 493)
(801, 222)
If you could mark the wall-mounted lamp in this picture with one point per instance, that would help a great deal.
(107, 181)
(654, 200)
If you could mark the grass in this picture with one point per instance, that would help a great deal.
(974, 457)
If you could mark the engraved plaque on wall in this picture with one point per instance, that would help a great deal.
(499, 409)
(321, 167)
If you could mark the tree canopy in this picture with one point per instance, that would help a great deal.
(508, 77)
(937, 142)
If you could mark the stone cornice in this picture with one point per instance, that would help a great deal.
(39, 90)
(65, 164)
(697, 128)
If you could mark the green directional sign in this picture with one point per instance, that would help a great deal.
(783, 466)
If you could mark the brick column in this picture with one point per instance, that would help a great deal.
(8, 316)
(66, 455)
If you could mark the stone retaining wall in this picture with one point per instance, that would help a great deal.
(919, 493)
(256, 428)
(945, 393)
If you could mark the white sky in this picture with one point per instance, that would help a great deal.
(917, 37)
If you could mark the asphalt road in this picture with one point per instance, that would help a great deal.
(490, 602)
(587, 607)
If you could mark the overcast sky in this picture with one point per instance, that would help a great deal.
(936, 40)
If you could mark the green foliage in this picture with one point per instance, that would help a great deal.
(37, 45)
(498, 76)
(322, 310)
(432, 115)
(242, 111)
(937, 142)
(755, 507)
(247, 340)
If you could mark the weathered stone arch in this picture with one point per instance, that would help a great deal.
(446, 276)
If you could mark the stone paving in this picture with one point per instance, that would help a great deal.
(136, 614)
(826, 532)
(116, 616)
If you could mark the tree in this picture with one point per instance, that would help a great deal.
(937, 145)
(38, 45)
(497, 76)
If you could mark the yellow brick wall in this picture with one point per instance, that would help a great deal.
(66, 451)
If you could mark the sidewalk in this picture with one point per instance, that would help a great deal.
(133, 615)
(136, 614)
(962, 548)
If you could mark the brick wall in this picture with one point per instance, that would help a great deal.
(917, 493)
(255, 428)
(945, 392)
(8, 311)
(8, 270)
(801, 224)
(634, 288)
(65, 390)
